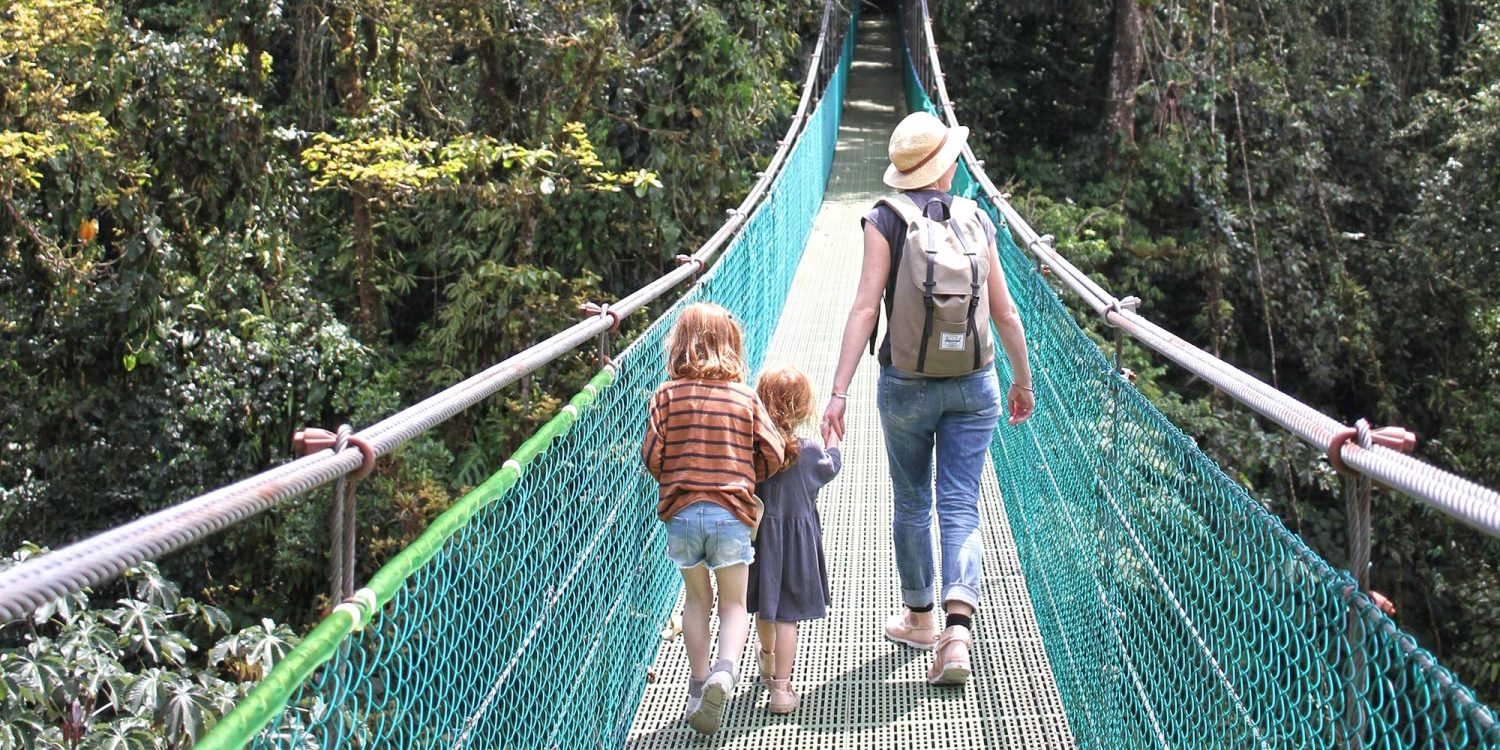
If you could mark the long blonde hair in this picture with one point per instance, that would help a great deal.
(705, 344)
(788, 397)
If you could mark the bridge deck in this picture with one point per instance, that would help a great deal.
(858, 689)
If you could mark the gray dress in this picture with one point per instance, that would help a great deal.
(789, 580)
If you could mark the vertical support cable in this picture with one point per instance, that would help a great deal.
(1357, 506)
(341, 529)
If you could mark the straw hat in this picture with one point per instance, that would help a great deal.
(922, 148)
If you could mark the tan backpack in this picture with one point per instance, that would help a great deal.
(939, 310)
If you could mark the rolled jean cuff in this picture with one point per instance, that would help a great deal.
(917, 597)
(959, 592)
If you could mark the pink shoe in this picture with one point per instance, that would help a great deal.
(915, 629)
(784, 699)
(950, 664)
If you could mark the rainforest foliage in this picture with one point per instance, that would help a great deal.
(223, 221)
(1310, 190)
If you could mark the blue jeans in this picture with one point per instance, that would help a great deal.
(956, 417)
(707, 533)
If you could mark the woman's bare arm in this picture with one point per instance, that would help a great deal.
(1020, 398)
(862, 319)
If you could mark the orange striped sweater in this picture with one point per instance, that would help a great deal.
(709, 440)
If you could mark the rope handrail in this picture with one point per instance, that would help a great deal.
(1454, 495)
(106, 555)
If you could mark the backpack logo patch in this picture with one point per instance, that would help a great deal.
(951, 342)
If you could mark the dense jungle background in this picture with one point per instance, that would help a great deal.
(1309, 189)
(220, 222)
(223, 221)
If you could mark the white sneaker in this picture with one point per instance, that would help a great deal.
(693, 702)
(716, 692)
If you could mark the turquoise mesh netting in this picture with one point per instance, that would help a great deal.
(528, 615)
(1176, 611)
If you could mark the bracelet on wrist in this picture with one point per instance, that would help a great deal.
(1022, 387)
(836, 394)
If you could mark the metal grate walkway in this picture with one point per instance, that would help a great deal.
(858, 689)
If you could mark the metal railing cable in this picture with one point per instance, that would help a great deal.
(527, 614)
(1456, 496)
(105, 556)
(1176, 610)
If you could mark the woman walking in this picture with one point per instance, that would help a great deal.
(932, 258)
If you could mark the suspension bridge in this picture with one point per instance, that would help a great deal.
(1133, 596)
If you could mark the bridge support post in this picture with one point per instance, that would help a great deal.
(1357, 509)
(1357, 487)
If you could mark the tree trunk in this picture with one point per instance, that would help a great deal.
(356, 103)
(1124, 75)
(364, 264)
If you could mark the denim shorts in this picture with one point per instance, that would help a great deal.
(707, 532)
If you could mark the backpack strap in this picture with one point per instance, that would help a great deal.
(973, 289)
(927, 303)
(907, 210)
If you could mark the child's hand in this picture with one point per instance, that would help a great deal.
(831, 439)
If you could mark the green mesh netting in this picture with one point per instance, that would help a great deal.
(527, 616)
(1175, 610)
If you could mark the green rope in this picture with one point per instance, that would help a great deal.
(527, 614)
(1175, 610)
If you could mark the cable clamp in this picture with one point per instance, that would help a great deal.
(1047, 240)
(1117, 306)
(1398, 439)
(697, 262)
(361, 606)
(1131, 303)
(602, 311)
(310, 440)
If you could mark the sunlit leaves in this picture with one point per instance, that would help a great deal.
(125, 734)
(388, 163)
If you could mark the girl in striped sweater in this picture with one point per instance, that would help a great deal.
(709, 440)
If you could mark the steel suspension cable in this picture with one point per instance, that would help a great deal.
(1349, 677)
(105, 556)
(1454, 495)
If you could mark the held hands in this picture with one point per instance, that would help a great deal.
(1021, 401)
(833, 421)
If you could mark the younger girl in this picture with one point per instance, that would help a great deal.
(788, 580)
(708, 441)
